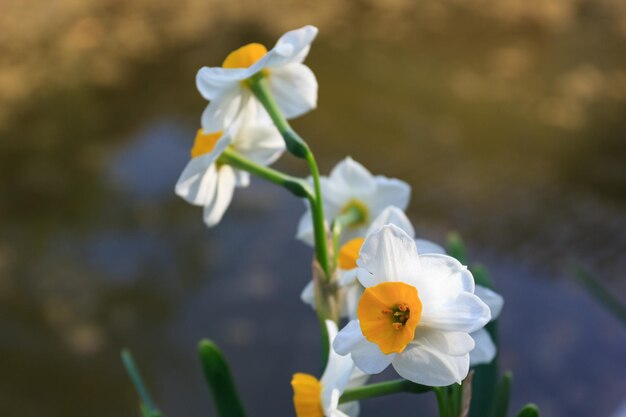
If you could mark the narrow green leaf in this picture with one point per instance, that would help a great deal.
(600, 293)
(456, 248)
(501, 400)
(147, 407)
(441, 393)
(486, 375)
(481, 276)
(454, 399)
(529, 410)
(217, 375)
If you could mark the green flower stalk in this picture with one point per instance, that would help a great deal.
(298, 147)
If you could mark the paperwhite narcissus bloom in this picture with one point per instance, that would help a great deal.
(319, 398)
(350, 185)
(416, 313)
(485, 349)
(292, 84)
(349, 287)
(205, 182)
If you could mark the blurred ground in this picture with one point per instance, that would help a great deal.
(507, 117)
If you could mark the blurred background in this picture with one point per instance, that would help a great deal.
(508, 117)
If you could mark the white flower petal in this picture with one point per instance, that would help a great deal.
(292, 47)
(305, 231)
(424, 361)
(295, 89)
(337, 413)
(242, 178)
(358, 378)
(213, 82)
(222, 112)
(350, 409)
(335, 196)
(261, 144)
(308, 294)
(465, 313)
(441, 279)
(485, 349)
(348, 338)
(450, 343)
(351, 178)
(393, 215)
(198, 181)
(214, 211)
(426, 246)
(366, 355)
(351, 296)
(390, 192)
(388, 255)
(347, 277)
(494, 301)
(337, 373)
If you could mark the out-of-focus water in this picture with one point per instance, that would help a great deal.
(509, 124)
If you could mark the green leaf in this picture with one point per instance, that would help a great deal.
(529, 410)
(147, 407)
(441, 393)
(456, 248)
(501, 400)
(481, 276)
(600, 293)
(486, 375)
(217, 375)
(454, 399)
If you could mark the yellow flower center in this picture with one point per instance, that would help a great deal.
(389, 313)
(245, 56)
(361, 210)
(204, 143)
(349, 253)
(307, 395)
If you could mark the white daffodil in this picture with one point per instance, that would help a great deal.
(351, 186)
(485, 349)
(416, 313)
(292, 84)
(320, 398)
(205, 182)
(349, 287)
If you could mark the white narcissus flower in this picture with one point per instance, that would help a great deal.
(416, 313)
(485, 349)
(349, 287)
(208, 183)
(292, 84)
(351, 186)
(319, 398)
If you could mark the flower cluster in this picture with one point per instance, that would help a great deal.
(407, 303)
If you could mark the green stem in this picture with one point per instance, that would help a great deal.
(351, 216)
(298, 147)
(441, 394)
(382, 388)
(135, 377)
(295, 185)
(319, 224)
(295, 144)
